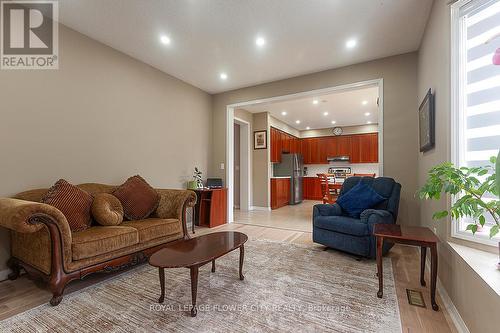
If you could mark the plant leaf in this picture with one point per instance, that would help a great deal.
(472, 227)
(440, 215)
(494, 230)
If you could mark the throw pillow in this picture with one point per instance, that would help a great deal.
(358, 199)
(107, 209)
(73, 202)
(137, 197)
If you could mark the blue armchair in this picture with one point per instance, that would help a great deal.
(333, 228)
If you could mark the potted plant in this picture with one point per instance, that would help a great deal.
(472, 185)
(197, 181)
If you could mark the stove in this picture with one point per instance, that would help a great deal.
(340, 173)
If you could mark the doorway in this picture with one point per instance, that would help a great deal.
(241, 180)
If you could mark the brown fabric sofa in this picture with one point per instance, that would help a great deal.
(43, 244)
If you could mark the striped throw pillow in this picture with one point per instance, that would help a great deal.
(137, 197)
(73, 202)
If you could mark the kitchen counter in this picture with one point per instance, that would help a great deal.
(281, 177)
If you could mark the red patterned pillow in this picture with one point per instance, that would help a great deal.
(73, 202)
(138, 198)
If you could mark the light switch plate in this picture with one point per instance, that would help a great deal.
(222, 166)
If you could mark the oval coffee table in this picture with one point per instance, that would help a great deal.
(195, 252)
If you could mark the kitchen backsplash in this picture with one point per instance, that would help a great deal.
(313, 169)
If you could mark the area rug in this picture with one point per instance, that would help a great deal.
(287, 288)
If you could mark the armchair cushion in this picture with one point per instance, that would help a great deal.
(371, 217)
(342, 224)
(327, 210)
(73, 202)
(359, 198)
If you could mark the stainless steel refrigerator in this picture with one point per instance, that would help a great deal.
(291, 165)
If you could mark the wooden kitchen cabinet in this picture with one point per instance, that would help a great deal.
(280, 192)
(311, 188)
(364, 148)
(282, 142)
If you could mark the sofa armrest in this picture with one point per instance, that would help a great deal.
(375, 216)
(173, 204)
(27, 216)
(327, 210)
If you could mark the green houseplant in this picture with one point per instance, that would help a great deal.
(472, 184)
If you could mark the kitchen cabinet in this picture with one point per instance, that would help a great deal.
(282, 142)
(311, 188)
(280, 192)
(364, 148)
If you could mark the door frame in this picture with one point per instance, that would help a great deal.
(245, 165)
(230, 129)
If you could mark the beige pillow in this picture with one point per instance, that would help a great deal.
(107, 209)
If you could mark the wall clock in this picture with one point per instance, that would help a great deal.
(337, 131)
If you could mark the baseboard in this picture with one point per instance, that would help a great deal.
(4, 274)
(266, 209)
(459, 323)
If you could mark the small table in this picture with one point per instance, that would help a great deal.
(194, 253)
(418, 236)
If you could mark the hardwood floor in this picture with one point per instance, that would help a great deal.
(22, 294)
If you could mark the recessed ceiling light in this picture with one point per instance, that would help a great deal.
(165, 40)
(308, 128)
(364, 102)
(367, 114)
(260, 41)
(283, 113)
(315, 102)
(297, 121)
(223, 76)
(325, 113)
(368, 122)
(351, 43)
(334, 122)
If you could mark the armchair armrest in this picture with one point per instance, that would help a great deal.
(327, 210)
(375, 216)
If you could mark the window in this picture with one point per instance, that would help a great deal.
(475, 92)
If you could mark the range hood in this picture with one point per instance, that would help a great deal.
(343, 158)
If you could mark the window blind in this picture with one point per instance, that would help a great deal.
(480, 91)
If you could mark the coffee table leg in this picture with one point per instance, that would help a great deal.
(242, 256)
(380, 242)
(194, 289)
(434, 266)
(161, 272)
(213, 266)
(423, 253)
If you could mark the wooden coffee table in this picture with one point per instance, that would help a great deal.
(418, 236)
(196, 252)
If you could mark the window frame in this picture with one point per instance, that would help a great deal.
(458, 102)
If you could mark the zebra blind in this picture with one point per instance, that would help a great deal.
(479, 87)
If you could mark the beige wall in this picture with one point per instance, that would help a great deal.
(477, 303)
(346, 130)
(261, 160)
(101, 117)
(400, 108)
(276, 123)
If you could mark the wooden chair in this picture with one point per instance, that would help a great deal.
(364, 175)
(329, 188)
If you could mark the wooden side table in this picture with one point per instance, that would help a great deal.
(417, 236)
(211, 207)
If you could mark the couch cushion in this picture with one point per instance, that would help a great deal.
(154, 228)
(342, 224)
(73, 202)
(107, 209)
(137, 197)
(98, 240)
(358, 199)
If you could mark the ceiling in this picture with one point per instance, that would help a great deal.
(210, 37)
(346, 108)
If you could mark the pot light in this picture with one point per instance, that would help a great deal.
(334, 122)
(325, 113)
(315, 102)
(297, 121)
(367, 114)
(260, 41)
(351, 43)
(223, 76)
(368, 122)
(364, 102)
(165, 40)
(308, 128)
(283, 113)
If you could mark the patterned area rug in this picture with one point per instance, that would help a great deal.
(287, 288)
